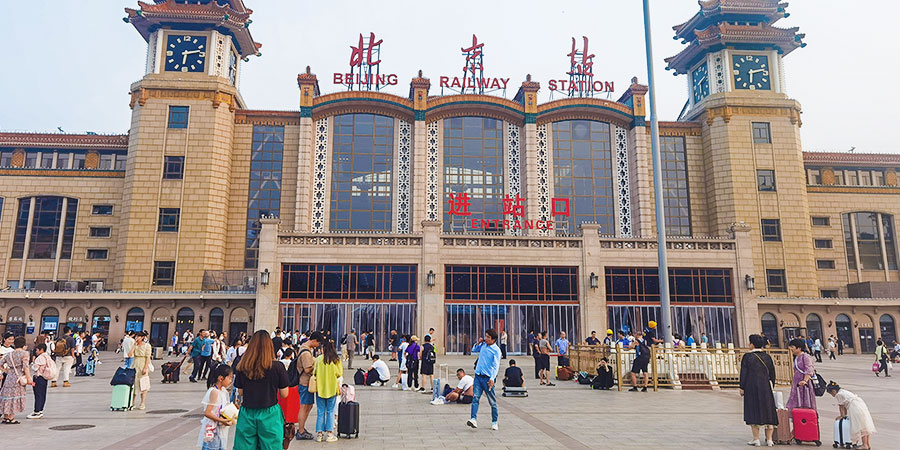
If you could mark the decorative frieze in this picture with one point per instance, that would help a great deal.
(320, 180)
(513, 166)
(403, 176)
(623, 218)
(432, 196)
(543, 175)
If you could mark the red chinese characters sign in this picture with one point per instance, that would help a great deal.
(458, 205)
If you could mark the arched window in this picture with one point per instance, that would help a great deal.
(770, 328)
(473, 166)
(362, 172)
(216, 320)
(184, 320)
(134, 320)
(844, 329)
(869, 232)
(100, 324)
(583, 173)
(887, 329)
(50, 216)
(50, 321)
(814, 326)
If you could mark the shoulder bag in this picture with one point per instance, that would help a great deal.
(312, 389)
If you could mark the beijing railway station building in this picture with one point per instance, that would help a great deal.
(452, 207)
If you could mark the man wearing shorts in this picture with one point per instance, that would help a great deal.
(641, 361)
(305, 367)
(544, 360)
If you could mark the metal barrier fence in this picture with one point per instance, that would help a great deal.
(682, 368)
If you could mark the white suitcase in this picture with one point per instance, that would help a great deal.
(842, 433)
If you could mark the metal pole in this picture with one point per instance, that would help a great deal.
(665, 312)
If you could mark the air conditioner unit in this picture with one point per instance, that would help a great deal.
(95, 286)
(45, 285)
(73, 286)
(249, 281)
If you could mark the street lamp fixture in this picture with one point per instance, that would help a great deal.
(429, 279)
(264, 277)
(595, 280)
(750, 282)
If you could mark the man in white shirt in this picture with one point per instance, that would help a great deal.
(461, 394)
(378, 372)
(127, 345)
(401, 352)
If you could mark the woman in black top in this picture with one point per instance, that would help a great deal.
(259, 379)
(757, 381)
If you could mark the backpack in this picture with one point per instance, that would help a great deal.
(54, 370)
(359, 378)
(584, 378)
(429, 356)
(293, 374)
(61, 348)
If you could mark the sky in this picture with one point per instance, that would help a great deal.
(70, 66)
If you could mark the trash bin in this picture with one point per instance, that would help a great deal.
(158, 352)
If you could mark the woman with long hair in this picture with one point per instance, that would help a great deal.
(142, 351)
(327, 370)
(757, 381)
(260, 379)
(802, 393)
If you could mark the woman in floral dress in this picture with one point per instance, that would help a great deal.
(12, 394)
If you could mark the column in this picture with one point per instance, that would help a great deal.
(309, 90)
(593, 300)
(430, 303)
(534, 175)
(418, 91)
(746, 308)
(267, 296)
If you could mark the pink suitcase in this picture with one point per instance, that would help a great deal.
(806, 425)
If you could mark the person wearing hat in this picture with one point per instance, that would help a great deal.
(413, 355)
(592, 339)
(608, 340)
(855, 409)
(650, 334)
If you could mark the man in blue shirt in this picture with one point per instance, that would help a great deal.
(206, 354)
(196, 350)
(562, 350)
(486, 370)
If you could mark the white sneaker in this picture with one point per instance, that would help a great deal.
(36, 415)
(770, 444)
(494, 426)
(754, 443)
(438, 401)
(395, 386)
(472, 423)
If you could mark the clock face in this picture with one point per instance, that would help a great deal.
(751, 72)
(185, 53)
(700, 81)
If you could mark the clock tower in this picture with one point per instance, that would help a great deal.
(733, 62)
(177, 192)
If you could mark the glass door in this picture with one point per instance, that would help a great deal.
(867, 340)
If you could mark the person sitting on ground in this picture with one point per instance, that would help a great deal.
(513, 376)
(604, 378)
(378, 372)
(461, 394)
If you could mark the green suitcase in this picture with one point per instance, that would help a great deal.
(122, 397)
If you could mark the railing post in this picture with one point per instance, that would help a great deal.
(619, 365)
(653, 371)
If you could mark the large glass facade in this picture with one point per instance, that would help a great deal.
(582, 173)
(675, 185)
(716, 321)
(265, 185)
(46, 226)
(465, 323)
(873, 231)
(641, 285)
(361, 175)
(511, 284)
(473, 165)
(340, 318)
(349, 283)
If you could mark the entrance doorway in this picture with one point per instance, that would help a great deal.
(867, 340)
(792, 333)
(159, 334)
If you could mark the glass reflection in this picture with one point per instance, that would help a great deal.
(473, 164)
(582, 172)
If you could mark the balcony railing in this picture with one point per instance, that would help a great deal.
(230, 280)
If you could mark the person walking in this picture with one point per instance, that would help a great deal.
(18, 375)
(305, 365)
(641, 348)
(196, 350)
(213, 431)
(259, 378)
(44, 371)
(854, 408)
(370, 346)
(327, 371)
(413, 356)
(503, 341)
(840, 346)
(802, 393)
(350, 346)
(757, 381)
(486, 370)
(142, 352)
(881, 356)
(65, 356)
(817, 349)
(832, 348)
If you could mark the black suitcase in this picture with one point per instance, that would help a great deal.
(170, 372)
(348, 419)
(123, 376)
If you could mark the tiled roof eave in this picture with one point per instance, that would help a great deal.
(85, 141)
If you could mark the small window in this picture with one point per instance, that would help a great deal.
(824, 243)
(62, 160)
(31, 159)
(821, 221)
(168, 219)
(178, 117)
(839, 177)
(852, 177)
(173, 169)
(765, 179)
(78, 160)
(100, 232)
(776, 280)
(825, 264)
(120, 161)
(6, 159)
(813, 176)
(771, 230)
(829, 293)
(97, 253)
(47, 160)
(761, 134)
(107, 162)
(877, 178)
(164, 273)
(102, 210)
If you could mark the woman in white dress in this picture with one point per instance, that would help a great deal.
(854, 408)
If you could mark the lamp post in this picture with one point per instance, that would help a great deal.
(665, 313)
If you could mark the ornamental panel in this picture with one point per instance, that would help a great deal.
(432, 213)
(320, 168)
(624, 192)
(718, 72)
(543, 175)
(513, 166)
(403, 177)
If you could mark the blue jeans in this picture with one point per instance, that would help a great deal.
(481, 385)
(129, 362)
(325, 413)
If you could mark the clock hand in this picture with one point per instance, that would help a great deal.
(185, 53)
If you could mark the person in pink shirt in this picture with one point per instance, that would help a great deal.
(44, 371)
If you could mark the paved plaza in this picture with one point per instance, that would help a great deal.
(566, 416)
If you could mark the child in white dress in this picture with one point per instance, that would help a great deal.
(855, 409)
(213, 431)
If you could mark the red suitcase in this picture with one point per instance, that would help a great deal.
(806, 425)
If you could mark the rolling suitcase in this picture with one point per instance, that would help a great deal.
(122, 397)
(80, 370)
(89, 367)
(806, 426)
(170, 372)
(515, 392)
(348, 419)
(842, 433)
(783, 433)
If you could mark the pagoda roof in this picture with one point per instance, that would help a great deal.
(227, 16)
(714, 11)
(63, 140)
(751, 36)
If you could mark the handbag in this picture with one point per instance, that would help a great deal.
(779, 399)
(150, 367)
(818, 384)
(312, 388)
(22, 380)
(876, 366)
